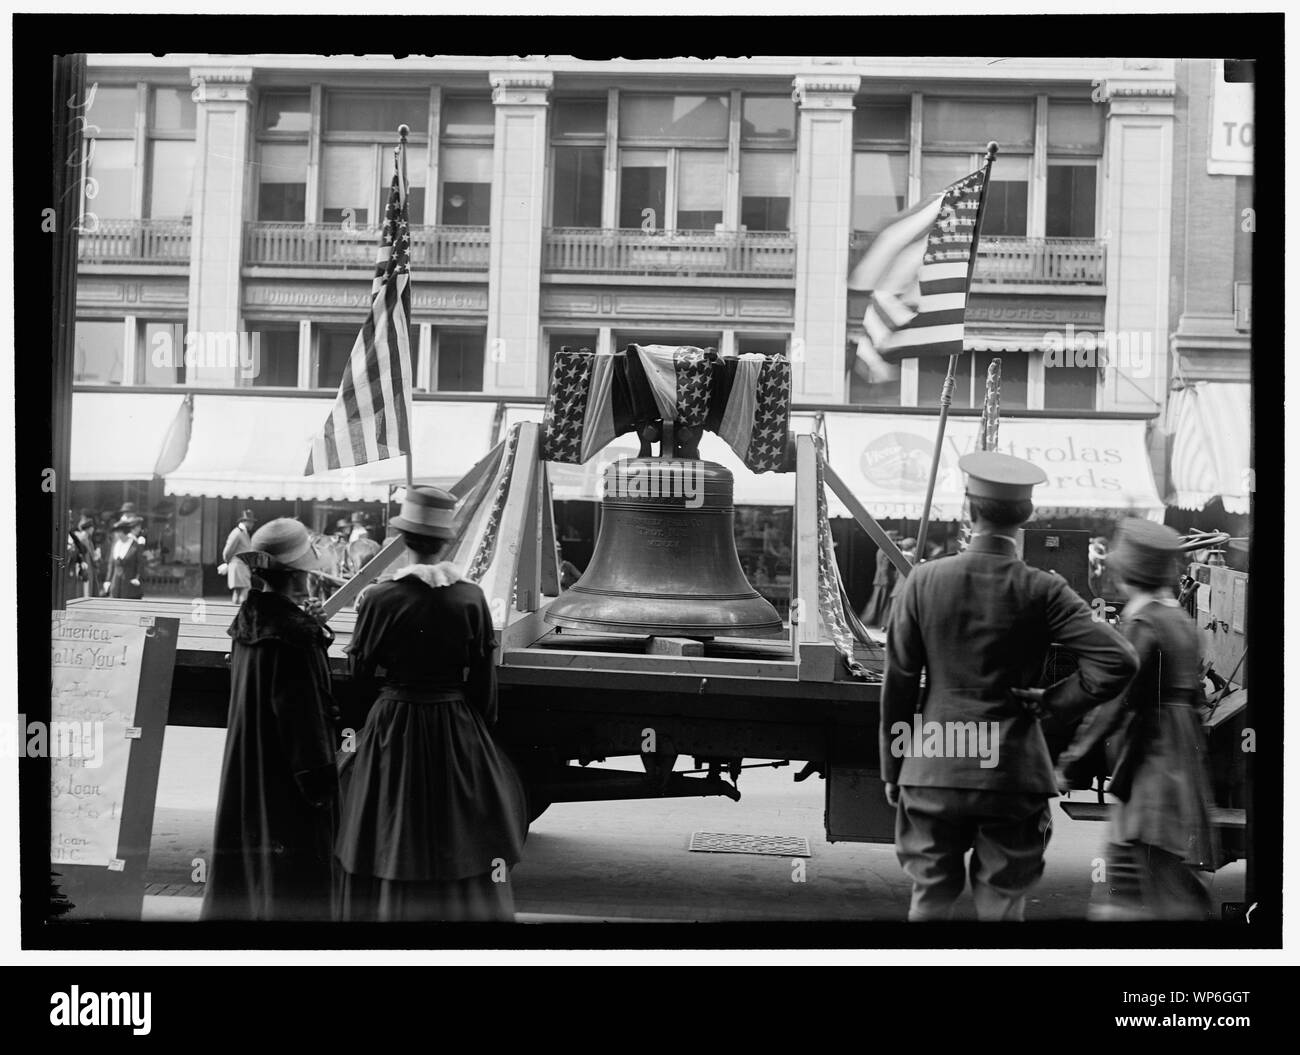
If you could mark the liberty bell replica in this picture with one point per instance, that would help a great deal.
(665, 561)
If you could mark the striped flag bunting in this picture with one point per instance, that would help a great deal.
(370, 420)
(918, 272)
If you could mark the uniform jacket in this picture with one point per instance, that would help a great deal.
(980, 624)
(123, 575)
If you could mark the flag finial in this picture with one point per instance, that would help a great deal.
(990, 152)
(405, 130)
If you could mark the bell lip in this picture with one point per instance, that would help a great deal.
(600, 626)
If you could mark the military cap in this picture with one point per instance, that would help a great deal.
(1145, 553)
(993, 475)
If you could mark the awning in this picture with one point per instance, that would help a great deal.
(1093, 466)
(117, 435)
(1210, 422)
(583, 482)
(256, 447)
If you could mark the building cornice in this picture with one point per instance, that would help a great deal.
(517, 88)
(826, 91)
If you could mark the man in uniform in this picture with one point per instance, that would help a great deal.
(971, 770)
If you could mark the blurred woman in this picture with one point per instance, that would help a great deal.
(433, 817)
(126, 561)
(882, 587)
(277, 813)
(1160, 831)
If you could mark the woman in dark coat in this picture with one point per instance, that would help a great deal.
(126, 560)
(433, 817)
(277, 814)
(1160, 832)
(876, 613)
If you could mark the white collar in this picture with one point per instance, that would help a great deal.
(1142, 598)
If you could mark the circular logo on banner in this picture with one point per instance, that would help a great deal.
(898, 461)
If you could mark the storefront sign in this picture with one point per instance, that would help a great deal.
(1232, 126)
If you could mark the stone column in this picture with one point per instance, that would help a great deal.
(518, 212)
(221, 194)
(823, 205)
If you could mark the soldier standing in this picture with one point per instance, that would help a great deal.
(964, 758)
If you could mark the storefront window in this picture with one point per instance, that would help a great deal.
(333, 349)
(160, 353)
(971, 380)
(1070, 387)
(97, 352)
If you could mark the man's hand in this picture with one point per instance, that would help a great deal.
(1062, 781)
(314, 607)
(891, 793)
(1032, 701)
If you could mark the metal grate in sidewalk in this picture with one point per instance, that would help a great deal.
(773, 845)
(174, 890)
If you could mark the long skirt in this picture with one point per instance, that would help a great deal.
(876, 613)
(1144, 882)
(433, 816)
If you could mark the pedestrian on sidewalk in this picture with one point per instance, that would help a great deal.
(238, 541)
(433, 816)
(277, 812)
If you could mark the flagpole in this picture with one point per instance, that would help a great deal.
(402, 132)
(945, 398)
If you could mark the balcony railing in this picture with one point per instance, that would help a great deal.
(336, 245)
(133, 241)
(1004, 260)
(734, 254)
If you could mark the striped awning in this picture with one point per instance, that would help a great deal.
(1210, 423)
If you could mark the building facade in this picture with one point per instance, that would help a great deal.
(231, 210)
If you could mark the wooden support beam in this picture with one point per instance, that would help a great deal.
(550, 558)
(896, 556)
(804, 599)
(377, 565)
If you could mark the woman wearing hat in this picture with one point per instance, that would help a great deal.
(433, 814)
(277, 813)
(238, 541)
(1160, 831)
(126, 559)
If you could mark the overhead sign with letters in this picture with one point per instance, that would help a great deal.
(1232, 126)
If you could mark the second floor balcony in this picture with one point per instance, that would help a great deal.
(133, 241)
(628, 252)
(352, 246)
(1005, 260)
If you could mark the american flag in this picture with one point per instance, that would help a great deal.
(918, 272)
(372, 412)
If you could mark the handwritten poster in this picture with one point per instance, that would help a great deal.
(95, 679)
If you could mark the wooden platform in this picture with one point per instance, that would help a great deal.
(1099, 811)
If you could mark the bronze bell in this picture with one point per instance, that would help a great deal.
(665, 561)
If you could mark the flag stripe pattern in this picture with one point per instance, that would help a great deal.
(370, 420)
(918, 272)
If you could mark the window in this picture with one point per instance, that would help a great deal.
(1006, 202)
(1071, 199)
(970, 379)
(347, 184)
(468, 118)
(971, 123)
(465, 172)
(683, 118)
(643, 185)
(277, 357)
(767, 118)
(286, 112)
(1074, 126)
(882, 121)
(579, 180)
(884, 392)
(110, 172)
(171, 179)
(941, 170)
(97, 352)
(160, 353)
(701, 182)
(1070, 387)
(466, 177)
(283, 191)
(879, 189)
(766, 187)
(333, 349)
(759, 345)
(460, 360)
(374, 112)
(111, 110)
(578, 167)
(174, 110)
(578, 118)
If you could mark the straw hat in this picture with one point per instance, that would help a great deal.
(427, 511)
(1145, 553)
(282, 544)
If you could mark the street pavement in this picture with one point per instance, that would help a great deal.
(630, 860)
